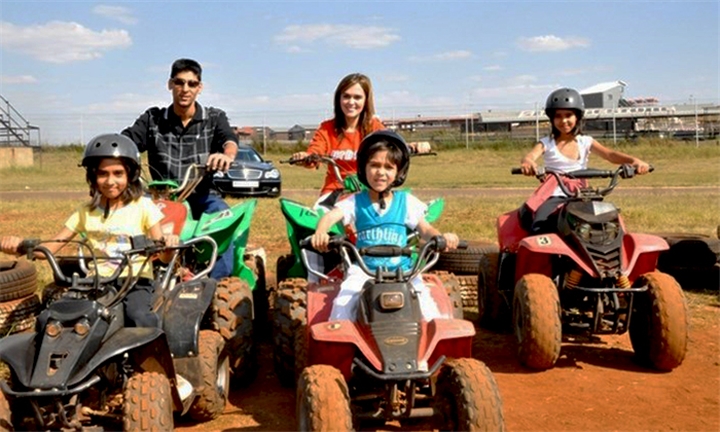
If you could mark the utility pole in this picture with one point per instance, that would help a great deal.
(697, 125)
(537, 123)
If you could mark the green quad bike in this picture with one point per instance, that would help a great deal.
(241, 300)
(290, 292)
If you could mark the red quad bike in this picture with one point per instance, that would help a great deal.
(590, 277)
(389, 363)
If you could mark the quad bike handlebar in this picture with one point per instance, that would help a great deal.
(141, 245)
(427, 256)
(625, 171)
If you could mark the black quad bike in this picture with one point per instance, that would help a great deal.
(589, 276)
(83, 368)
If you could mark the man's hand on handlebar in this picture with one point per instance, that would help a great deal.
(219, 162)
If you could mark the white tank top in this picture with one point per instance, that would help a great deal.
(557, 161)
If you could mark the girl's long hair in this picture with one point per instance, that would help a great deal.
(133, 191)
(368, 112)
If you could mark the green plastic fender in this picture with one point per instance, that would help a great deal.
(301, 221)
(225, 227)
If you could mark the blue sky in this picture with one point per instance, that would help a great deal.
(81, 68)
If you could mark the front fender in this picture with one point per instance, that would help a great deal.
(534, 255)
(183, 312)
(449, 337)
(641, 253)
(340, 338)
(18, 352)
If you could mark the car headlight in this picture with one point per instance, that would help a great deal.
(272, 174)
(219, 174)
(392, 300)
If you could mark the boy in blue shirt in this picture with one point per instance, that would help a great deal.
(380, 217)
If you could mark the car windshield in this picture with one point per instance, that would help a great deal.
(247, 155)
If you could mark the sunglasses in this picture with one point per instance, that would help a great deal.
(181, 82)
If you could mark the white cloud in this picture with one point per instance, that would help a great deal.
(522, 79)
(395, 78)
(445, 56)
(493, 68)
(294, 49)
(551, 43)
(61, 42)
(351, 36)
(118, 13)
(17, 79)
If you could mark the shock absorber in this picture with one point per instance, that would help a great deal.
(572, 280)
(622, 281)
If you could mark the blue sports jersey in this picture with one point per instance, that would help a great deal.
(374, 229)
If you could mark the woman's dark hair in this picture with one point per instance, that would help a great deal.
(182, 65)
(134, 188)
(368, 112)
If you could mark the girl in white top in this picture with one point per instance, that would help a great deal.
(567, 149)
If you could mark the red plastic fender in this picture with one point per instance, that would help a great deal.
(510, 231)
(641, 253)
(175, 216)
(438, 293)
(449, 337)
(320, 299)
(334, 343)
(532, 250)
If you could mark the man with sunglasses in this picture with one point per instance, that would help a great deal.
(186, 133)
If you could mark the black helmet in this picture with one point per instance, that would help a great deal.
(113, 145)
(392, 139)
(565, 98)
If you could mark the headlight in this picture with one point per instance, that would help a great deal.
(583, 231)
(392, 300)
(53, 329)
(219, 174)
(272, 174)
(82, 327)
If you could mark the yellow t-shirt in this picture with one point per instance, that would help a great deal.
(109, 237)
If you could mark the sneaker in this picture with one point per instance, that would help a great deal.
(185, 389)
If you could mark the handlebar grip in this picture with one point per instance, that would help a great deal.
(515, 171)
(463, 244)
(26, 246)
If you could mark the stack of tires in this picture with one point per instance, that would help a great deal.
(693, 260)
(18, 302)
(465, 265)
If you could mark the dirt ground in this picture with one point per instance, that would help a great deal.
(594, 387)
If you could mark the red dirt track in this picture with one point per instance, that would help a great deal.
(594, 387)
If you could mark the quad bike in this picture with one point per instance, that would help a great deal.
(589, 277)
(302, 220)
(83, 367)
(389, 364)
(241, 298)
